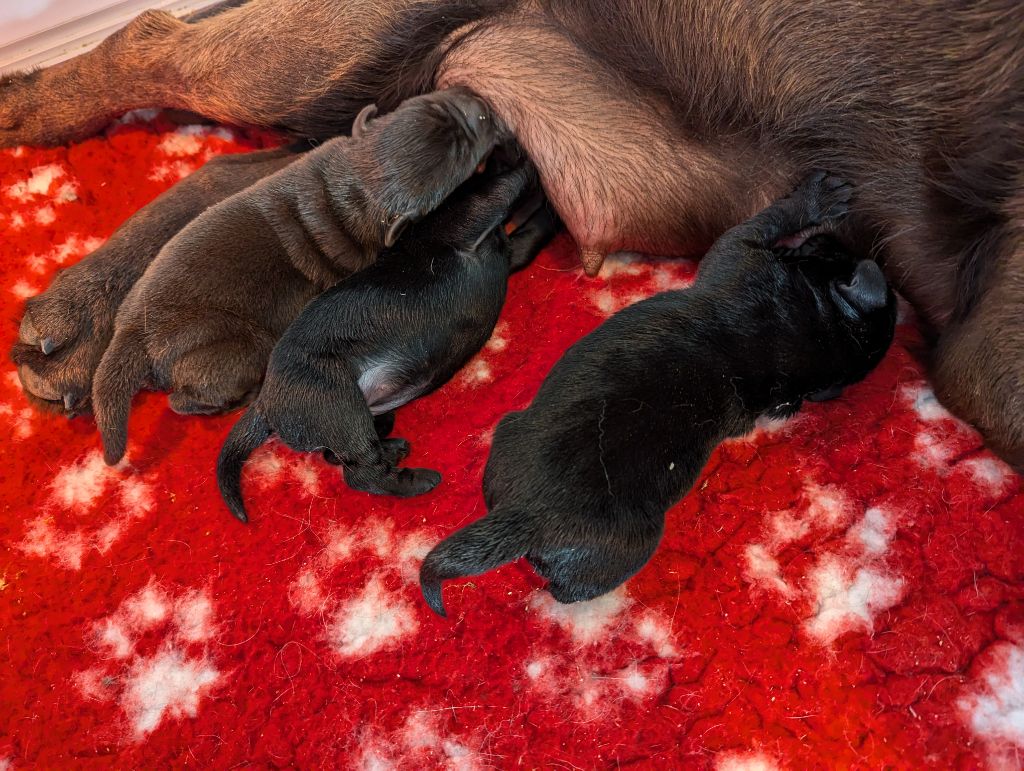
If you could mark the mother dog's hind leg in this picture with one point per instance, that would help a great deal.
(979, 364)
(307, 66)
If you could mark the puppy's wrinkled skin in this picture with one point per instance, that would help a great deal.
(66, 329)
(202, 320)
(389, 334)
(579, 482)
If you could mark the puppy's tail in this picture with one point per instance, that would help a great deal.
(249, 433)
(501, 536)
(121, 373)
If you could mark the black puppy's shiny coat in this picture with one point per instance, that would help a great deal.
(387, 335)
(579, 482)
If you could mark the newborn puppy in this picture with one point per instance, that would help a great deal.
(66, 329)
(579, 482)
(389, 334)
(202, 320)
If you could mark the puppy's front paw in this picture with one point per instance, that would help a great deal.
(63, 335)
(826, 198)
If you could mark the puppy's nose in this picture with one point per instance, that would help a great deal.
(867, 290)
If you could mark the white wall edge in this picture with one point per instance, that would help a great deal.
(79, 35)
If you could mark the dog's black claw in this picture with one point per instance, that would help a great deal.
(69, 402)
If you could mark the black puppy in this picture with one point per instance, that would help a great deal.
(387, 335)
(580, 481)
(202, 320)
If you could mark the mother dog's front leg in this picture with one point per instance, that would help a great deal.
(303, 65)
(134, 67)
(979, 362)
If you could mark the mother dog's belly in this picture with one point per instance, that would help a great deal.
(621, 176)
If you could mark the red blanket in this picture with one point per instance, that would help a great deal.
(845, 589)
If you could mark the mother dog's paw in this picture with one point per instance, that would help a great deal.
(42, 108)
(17, 105)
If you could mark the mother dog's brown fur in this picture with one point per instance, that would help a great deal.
(657, 124)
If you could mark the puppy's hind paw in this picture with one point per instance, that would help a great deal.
(836, 200)
(56, 371)
(63, 335)
(403, 482)
(394, 450)
(391, 450)
(418, 481)
(58, 383)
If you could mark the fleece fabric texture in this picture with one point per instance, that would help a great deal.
(842, 590)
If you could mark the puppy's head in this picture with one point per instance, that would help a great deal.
(854, 311)
(474, 215)
(414, 157)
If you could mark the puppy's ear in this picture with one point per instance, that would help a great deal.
(867, 291)
(365, 115)
(397, 227)
(499, 537)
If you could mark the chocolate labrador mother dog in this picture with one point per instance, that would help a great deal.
(920, 103)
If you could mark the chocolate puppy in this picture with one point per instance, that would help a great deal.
(202, 320)
(66, 329)
(579, 482)
(389, 334)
